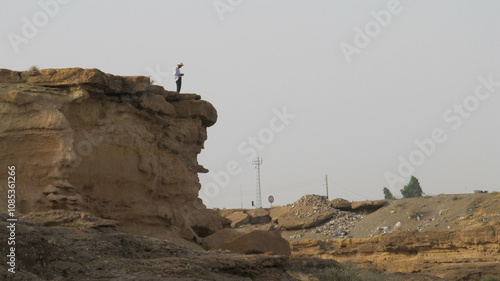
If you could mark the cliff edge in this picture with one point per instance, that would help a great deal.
(118, 147)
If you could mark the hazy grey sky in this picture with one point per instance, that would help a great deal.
(367, 92)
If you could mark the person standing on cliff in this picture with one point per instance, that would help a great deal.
(178, 76)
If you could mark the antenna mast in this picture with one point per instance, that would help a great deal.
(257, 162)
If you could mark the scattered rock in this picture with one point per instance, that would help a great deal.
(341, 224)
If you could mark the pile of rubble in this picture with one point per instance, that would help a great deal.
(315, 204)
(312, 200)
(314, 214)
(308, 211)
(315, 211)
(340, 225)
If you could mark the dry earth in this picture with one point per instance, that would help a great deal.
(439, 213)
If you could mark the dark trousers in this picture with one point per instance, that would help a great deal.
(179, 83)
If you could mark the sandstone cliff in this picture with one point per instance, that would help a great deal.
(118, 147)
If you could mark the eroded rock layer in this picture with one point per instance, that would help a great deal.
(453, 255)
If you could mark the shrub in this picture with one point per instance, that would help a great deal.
(412, 189)
(388, 194)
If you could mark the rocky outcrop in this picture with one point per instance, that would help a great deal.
(117, 147)
(468, 253)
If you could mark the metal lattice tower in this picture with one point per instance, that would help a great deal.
(257, 162)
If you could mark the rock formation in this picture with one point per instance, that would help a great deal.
(446, 254)
(118, 147)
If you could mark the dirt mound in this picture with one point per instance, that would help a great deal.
(440, 213)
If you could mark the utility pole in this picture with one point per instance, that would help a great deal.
(241, 196)
(257, 162)
(326, 185)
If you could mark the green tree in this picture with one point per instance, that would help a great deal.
(388, 194)
(412, 189)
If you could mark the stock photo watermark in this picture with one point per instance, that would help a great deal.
(222, 7)
(363, 36)
(454, 117)
(11, 218)
(32, 26)
(248, 148)
(157, 75)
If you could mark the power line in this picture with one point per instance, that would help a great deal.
(348, 189)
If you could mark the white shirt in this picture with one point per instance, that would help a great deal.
(177, 73)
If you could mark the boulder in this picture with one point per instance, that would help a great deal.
(220, 237)
(259, 242)
(341, 204)
(363, 205)
(238, 218)
(259, 216)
